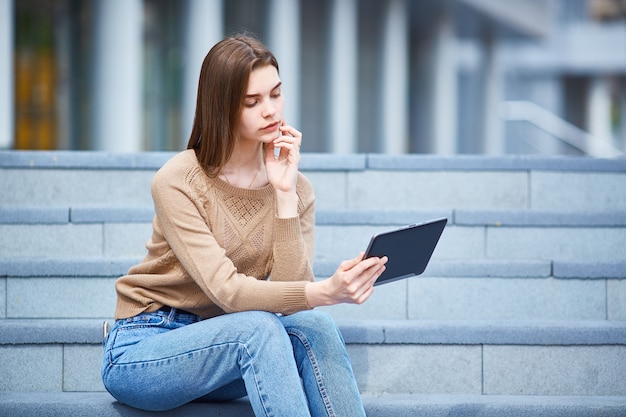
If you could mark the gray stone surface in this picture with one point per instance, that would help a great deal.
(56, 331)
(330, 162)
(81, 372)
(488, 332)
(517, 268)
(440, 405)
(403, 369)
(51, 297)
(563, 217)
(337, 243)
(493, 406)
(385, 217)
(83, 159)
(89, 404)
(554, 370)
(330, 189)
(33, 368)
(50, 187)
(506, 298)
(423, 162)
(616, 299)
(415, 189)
(590, 269)
(3, 298)
(50, 240)
(66, 267)
(121, 214)
(126, 240)
(567, 243)
(578, 191)
(461, 243)
(34, 215)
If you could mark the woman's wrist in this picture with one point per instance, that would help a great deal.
(286, 204)
(316, 295)
(320, 293)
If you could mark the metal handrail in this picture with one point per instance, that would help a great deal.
(557, 127)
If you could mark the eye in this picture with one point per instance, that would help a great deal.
(276, 93)
(250, 103)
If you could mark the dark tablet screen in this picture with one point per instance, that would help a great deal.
(408, 248)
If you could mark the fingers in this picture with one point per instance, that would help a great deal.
(365, 265)
(289, 139)
(363, 294)
(372, 273)
(351, 263)
(282, 158)
(358, 281)
(290, 131)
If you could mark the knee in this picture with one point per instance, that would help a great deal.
(260, 324)
(317, 325)
(314, 318)
(258, 320)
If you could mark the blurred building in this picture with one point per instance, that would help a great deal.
(391, 76)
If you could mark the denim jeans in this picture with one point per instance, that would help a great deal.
(288, 366)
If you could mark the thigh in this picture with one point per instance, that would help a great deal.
(154, 363)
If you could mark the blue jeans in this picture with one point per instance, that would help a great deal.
(293, 366)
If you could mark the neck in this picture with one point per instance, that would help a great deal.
(245, 157)
(245, 168)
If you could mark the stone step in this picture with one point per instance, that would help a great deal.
(390, 357)
(450, 290)
(103, 405)
(340, 234)
(362, 181)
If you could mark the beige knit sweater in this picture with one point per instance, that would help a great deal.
(214, 246)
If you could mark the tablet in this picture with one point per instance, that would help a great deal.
(408, 248)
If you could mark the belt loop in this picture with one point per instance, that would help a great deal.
(172, 312)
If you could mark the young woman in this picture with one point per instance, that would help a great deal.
(222, 305)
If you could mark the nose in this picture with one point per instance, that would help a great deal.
(269, 109)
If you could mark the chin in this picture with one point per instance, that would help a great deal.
(268, 138)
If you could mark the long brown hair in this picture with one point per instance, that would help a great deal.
(221, 92)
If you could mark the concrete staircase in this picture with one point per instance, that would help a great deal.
(521, 312)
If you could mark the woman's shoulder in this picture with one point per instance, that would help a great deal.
(180, 171)
(182, 161)
(179, 166)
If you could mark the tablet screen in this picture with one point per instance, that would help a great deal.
(409, 249)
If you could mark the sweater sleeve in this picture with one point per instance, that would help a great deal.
(205, 261)
(293, 246)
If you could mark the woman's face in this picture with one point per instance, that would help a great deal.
(262, 111)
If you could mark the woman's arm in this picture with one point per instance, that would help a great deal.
(294, 248)
(353, 281)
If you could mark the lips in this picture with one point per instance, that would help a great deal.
(271, 126)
